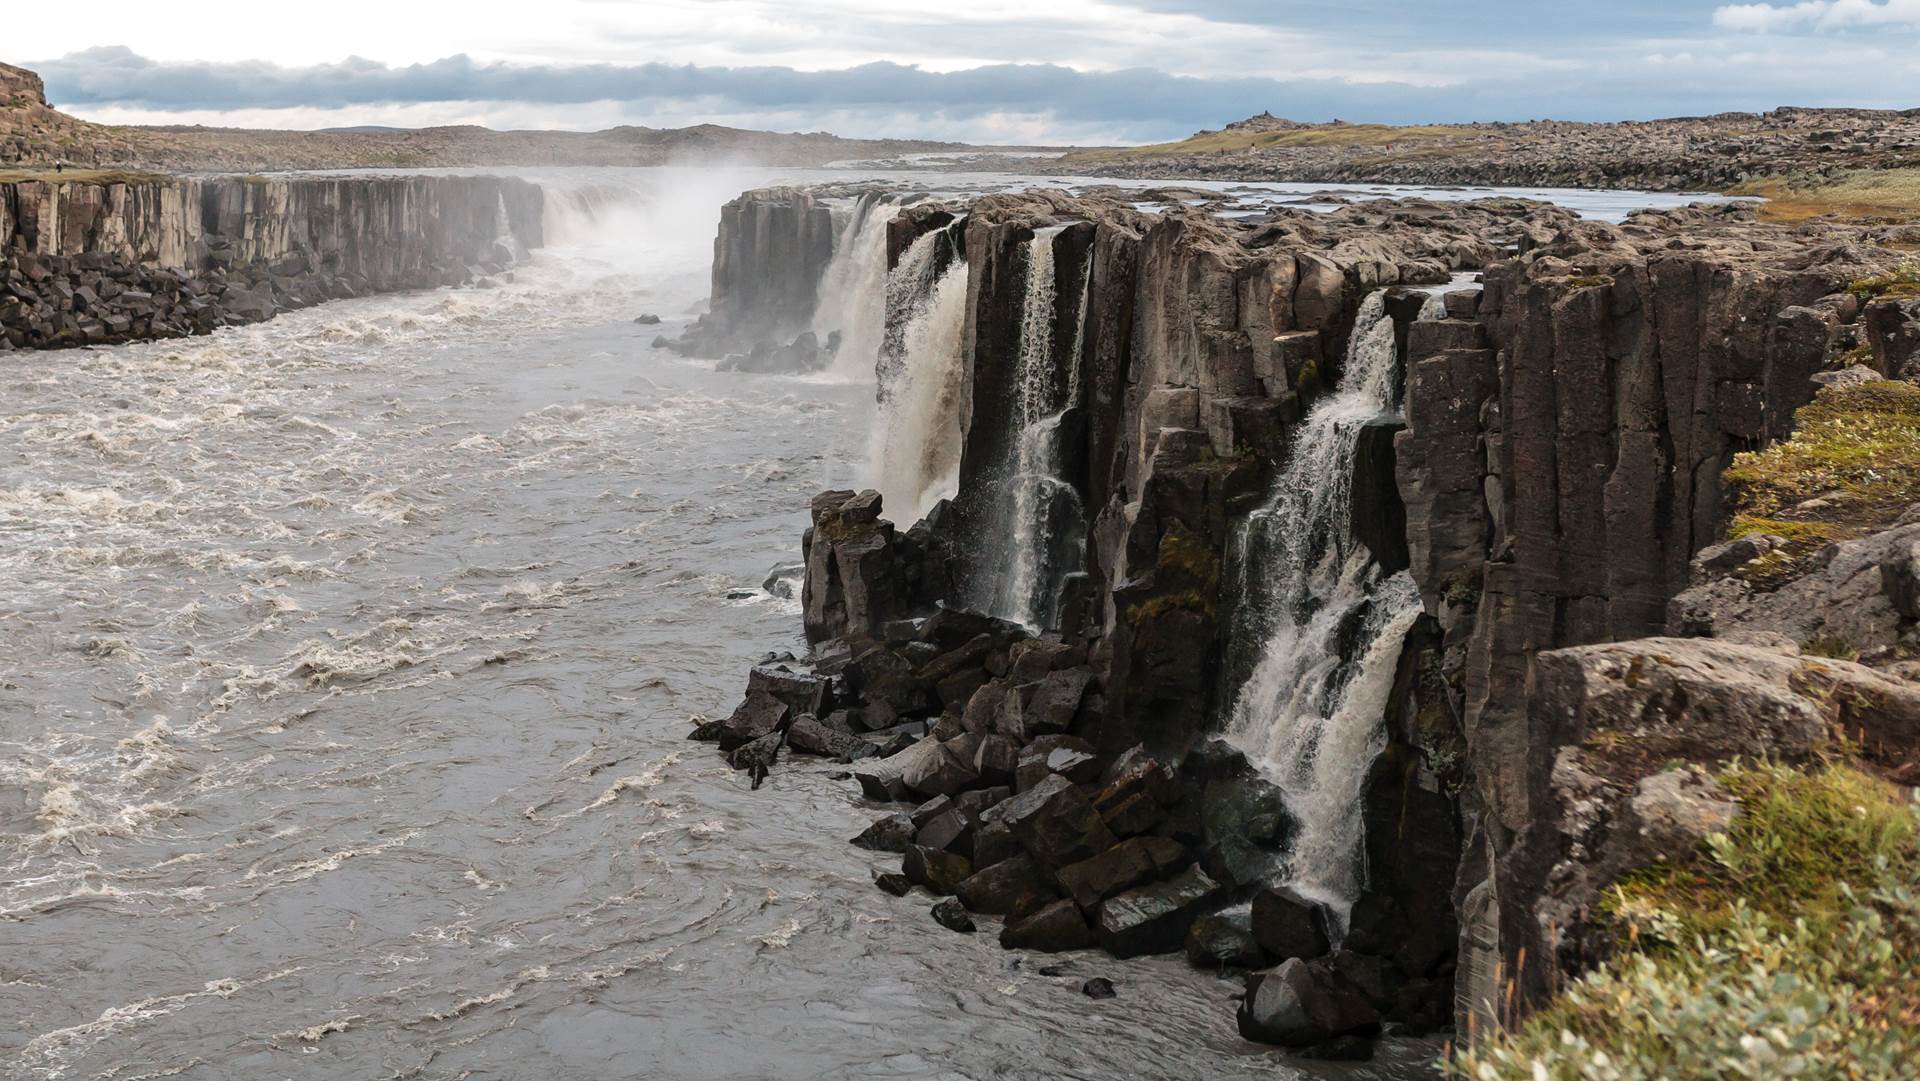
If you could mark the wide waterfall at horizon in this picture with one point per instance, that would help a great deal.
(1328, 624)
(1039, 512)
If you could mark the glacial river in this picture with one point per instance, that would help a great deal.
(348, 662)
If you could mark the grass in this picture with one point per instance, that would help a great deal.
(1214, 142)
(1879, 193)
(80, 176)
(1852, 467)
(1900, 283)
(1786, 950)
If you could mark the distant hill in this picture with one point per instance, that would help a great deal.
(34, 134)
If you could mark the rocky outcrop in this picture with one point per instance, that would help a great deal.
(1556, 473)
(771, 248)
(89, 263)
(1562, 466)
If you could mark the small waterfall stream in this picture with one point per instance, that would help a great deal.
(914, 451)
(853, 289)
(1042, 514)
(1327, 623)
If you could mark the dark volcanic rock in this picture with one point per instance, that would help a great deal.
(1053, 928)
(940, 872)
(1054, 822)
(1011, 885)
(890, 834)
(1301, 1004)
(952, 915)
(1156, 918)
(1225, 938)
(1289, 925)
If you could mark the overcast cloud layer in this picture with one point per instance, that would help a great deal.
(993, 70)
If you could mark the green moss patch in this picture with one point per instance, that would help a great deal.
(1788, 951)
(1901, 283)
(1852, 467)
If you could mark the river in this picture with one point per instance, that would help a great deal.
(349, 660)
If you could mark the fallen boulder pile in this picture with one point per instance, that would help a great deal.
(978, 742)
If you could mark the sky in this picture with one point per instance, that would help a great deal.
(1001, 71)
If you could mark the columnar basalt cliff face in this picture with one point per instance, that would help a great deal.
(1562, 468)
(1133, 386)
(92, 263)
(771, 248)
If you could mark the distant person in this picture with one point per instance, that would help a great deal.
(59, 165)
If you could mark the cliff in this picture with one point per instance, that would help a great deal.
(1301, 606)
(90, 262)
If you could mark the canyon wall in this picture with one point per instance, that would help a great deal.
(1130, 388)
(1563, 467)
(89, 263)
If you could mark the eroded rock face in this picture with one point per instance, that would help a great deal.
(86, 263)
(772, 247)
(1558, 471)
(1561, 473)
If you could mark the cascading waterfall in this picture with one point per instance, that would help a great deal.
(853, 290)
(1043, 512)
(1329, 627)
(914, 452)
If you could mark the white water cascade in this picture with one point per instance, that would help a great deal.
(914, 451)
(1329, 627)
(853, 289)
(1043, 512)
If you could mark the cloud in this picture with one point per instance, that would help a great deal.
(1818, 15)
(1023, 102)
(116, 82)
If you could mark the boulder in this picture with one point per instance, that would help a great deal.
(1225, 938)
(759, 715)
(952, 915)
(1287, 924)
(803, 692)
(885, 778)
(996, 759)
(894, 833)
(1155, 918)
(938, 871)
(1120, 868)
(1011, 885)
(1052, 928)
(945, 769)
(1301, 1004)
(809, 734)
(757, 757)
(1054, 822)
(951, 829)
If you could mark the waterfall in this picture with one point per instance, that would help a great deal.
(1042, 517)
(1328, 626)
(914, 451)
(853, 289)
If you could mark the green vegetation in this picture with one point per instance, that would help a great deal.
(1786, 952)
(1900, 283)
(80, 176)
(1214, 142)
(1852, 467)
(1876, 193)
